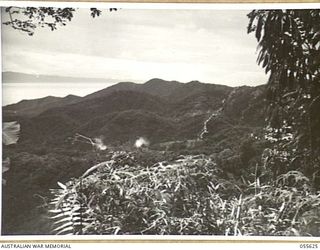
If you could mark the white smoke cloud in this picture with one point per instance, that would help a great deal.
(98, 143)
(141, 142)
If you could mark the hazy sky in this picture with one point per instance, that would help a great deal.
(137, 45)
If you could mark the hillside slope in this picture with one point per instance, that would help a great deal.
(158, 110)
(29, 108)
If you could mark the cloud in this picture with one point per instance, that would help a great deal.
(205, 45)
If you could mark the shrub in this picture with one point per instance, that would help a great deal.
(187, 196)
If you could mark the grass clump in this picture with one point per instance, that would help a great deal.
(186, 196)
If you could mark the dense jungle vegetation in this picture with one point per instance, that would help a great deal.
(222, 160)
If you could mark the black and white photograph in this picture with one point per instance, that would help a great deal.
(160, 121)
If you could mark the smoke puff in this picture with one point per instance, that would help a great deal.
(141, 142)
(99, 144)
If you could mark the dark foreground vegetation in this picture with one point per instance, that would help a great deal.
(191, 195)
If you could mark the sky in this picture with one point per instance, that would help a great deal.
(210, 46)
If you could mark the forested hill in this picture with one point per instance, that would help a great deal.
(158, 110)
(29, 108)
(176, 118)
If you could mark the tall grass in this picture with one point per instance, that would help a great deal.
(186, 196)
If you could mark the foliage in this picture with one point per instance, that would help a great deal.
(31, 176)
(289, 46)
(69, 214)
(289, 43)
(282, 208)
(188, 196)
(30, 18)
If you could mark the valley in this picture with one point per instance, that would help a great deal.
(176, 118)
(162, 147)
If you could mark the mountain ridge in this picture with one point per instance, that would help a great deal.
(159, 110)
(35, 107)
(172, 91)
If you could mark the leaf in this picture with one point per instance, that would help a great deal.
(67, 229)
(63, 226)
(64, 210)
(265, 62)
(295, 231)
(62, 185)
(5, 165)
(59, 215)
(10, 132)
(62, 220)
(259, 28)
(251, 17)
